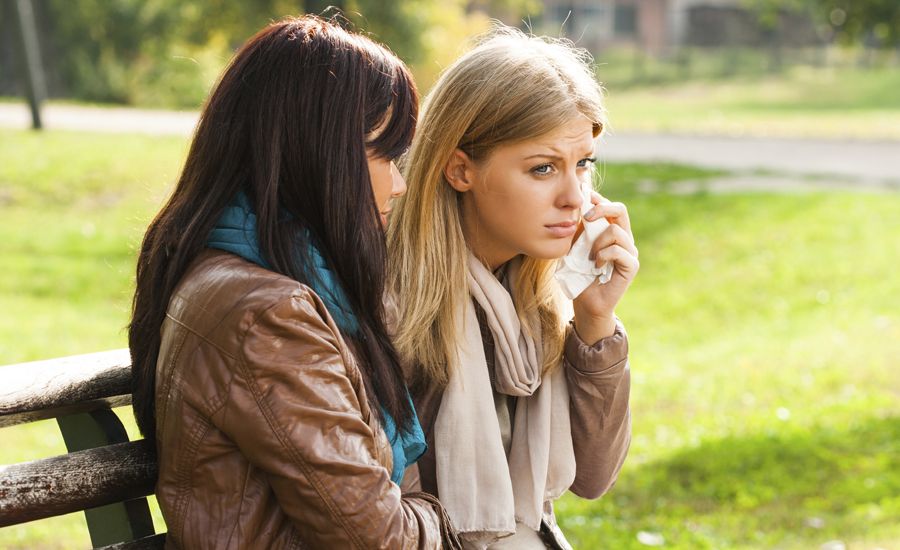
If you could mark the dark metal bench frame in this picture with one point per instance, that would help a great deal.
(103, 473)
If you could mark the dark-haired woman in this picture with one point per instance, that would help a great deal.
(262, 367)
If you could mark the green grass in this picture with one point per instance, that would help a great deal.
(803, 101)
(72, 210)
(764, 341)
(765, 337)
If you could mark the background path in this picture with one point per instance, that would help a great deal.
(857, 163)
(101, 119)
(870, 162)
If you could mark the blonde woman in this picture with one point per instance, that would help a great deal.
(520, 400)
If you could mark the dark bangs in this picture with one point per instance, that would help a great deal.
(401, 106)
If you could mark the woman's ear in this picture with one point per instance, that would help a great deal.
(460, 171)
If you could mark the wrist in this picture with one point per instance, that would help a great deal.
(593, 328)
(592, 314)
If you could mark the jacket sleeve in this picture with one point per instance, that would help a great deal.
(294, 413)
(599, 385)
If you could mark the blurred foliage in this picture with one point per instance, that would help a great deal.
(871, 22)
(169, 52)
(876, 21)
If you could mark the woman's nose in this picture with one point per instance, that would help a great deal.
(398, 186)
(572, 192)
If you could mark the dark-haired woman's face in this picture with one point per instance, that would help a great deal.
(387, 183)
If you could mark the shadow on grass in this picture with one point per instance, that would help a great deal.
(800, 487)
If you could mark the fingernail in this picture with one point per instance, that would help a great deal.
(591, 214)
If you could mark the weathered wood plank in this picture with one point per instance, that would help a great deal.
(79, 383)
(69, 483)
(153, 542)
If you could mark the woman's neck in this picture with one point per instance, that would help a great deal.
(495, 263)
(492, 255)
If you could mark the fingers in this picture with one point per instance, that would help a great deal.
(624, 261)
(615, 212)
(614, 235)
(616, 242)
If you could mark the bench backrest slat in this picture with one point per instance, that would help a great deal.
(76, 481)
(79, 383)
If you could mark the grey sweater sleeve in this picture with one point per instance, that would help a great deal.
(599, 382)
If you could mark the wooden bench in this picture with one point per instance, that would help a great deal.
(103, 474)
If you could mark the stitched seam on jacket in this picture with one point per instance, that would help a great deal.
(282, 437)
(587, 354)
(216, 402)
(185, 469)
(167, 383)
(224, 352)
(237, 303)
(616, 370)
(241, 504)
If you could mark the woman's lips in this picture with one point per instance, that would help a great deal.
(563, 229)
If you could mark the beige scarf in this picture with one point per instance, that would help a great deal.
(483, 493)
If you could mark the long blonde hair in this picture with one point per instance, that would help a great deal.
(511, 87)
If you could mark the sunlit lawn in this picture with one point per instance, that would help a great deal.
(834, 103)
(765, 350)
(765, 337)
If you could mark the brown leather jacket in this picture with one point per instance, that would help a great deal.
(264, 434)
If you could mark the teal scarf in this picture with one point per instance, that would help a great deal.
(235, 232)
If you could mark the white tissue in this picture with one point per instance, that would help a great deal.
(575, 271)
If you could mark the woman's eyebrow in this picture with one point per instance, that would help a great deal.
(557, 157)
(544, 155)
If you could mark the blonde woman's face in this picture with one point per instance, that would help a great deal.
(525, 198)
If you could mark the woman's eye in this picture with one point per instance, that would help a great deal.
(587, 162)
(543, 169)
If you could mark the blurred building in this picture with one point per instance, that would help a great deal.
(659, 26)
(598, 24)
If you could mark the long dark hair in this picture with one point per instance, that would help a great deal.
(287, 125)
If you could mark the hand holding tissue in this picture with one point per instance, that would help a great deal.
(576, 271)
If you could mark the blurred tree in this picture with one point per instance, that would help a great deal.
(406, 25)
(398, 24)
(168, 52)
(320, 6)
(98, 41)
(853, 21)
(511, 12)
(153, 52)
(860, 20)
(30, 58)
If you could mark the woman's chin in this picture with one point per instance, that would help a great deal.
(551, 251)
